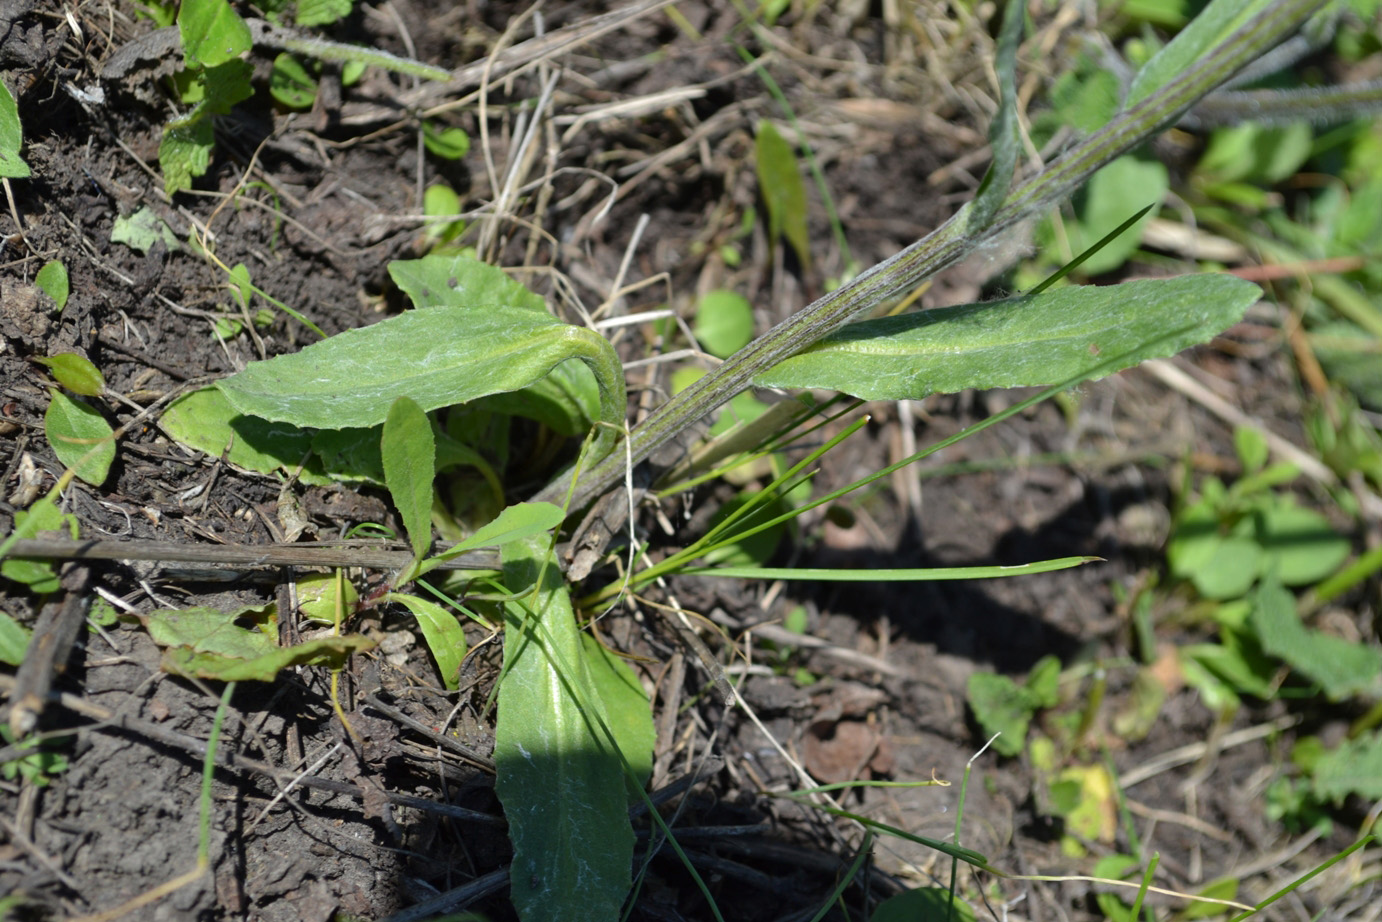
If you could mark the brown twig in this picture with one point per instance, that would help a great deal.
(304, 554)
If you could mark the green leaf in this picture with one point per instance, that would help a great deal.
(567, 401)
(1000, 705)
(1257, 154)
(204, 420)
(323, 598)
(443, 633)
(784, 194)
(1003, 132)
(409, 454)
(447, 143)
(12, 166)
(212, 32)
(1031, 341)
(14, 640)
(184, 153)
(321, 12)
(291, 84)
(42, 516)
(518, 522)
(474, 335)
(1214, 23)
(1251, 447)
(81, 438)
(724, 323)
(925, 904)
(1354, 768)
(210, 644)
(223, 86)
(626, 705)
(451, 281)
(1111, 196)
(76, 373)
(557, 775)
(52, 281)
(141, 230)
(1298, 544)
(1341, 667)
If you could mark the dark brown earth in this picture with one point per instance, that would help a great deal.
(885, 107)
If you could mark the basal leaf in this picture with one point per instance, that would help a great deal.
(1353, 768)
(184, 152)
(14, 640)
(925, 904)
(1032, 341)
(321, 12)
(476, 333)
(557, 774)
(291, 84)
(205, 420)
(322, 597)
(449, 281)
(76, 373)
(1299, 544)
(1214, 23)
(443, 633)
(518, 522)
(12, 166)
(626, 704)
(567, 401)
(212, 32)
(724, 322)
(409, 454)
(52, 280)
(1341, 667)
(784, 193)
(211, 644)
(1002, 706)
(81, 438)
(141, 230)
(1111, 196)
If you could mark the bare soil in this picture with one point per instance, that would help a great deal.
(405, 827)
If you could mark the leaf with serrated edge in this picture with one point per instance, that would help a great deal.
(1032, 341)
(443, 633)
(1341, 667)
(409, 453)
(558, 777)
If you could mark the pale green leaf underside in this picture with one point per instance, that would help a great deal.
(1024, 342)
(560, 781)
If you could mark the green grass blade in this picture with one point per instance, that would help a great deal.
(886, 576)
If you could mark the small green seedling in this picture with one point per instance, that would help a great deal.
(52, 281)
(12, 165)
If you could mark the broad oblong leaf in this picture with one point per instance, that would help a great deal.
(476, 333)
(206, 421)
(557, 775)
(627, 707)
(409, 452)
(81, 438)
(1034, 341)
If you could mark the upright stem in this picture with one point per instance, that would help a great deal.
(943, 246)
